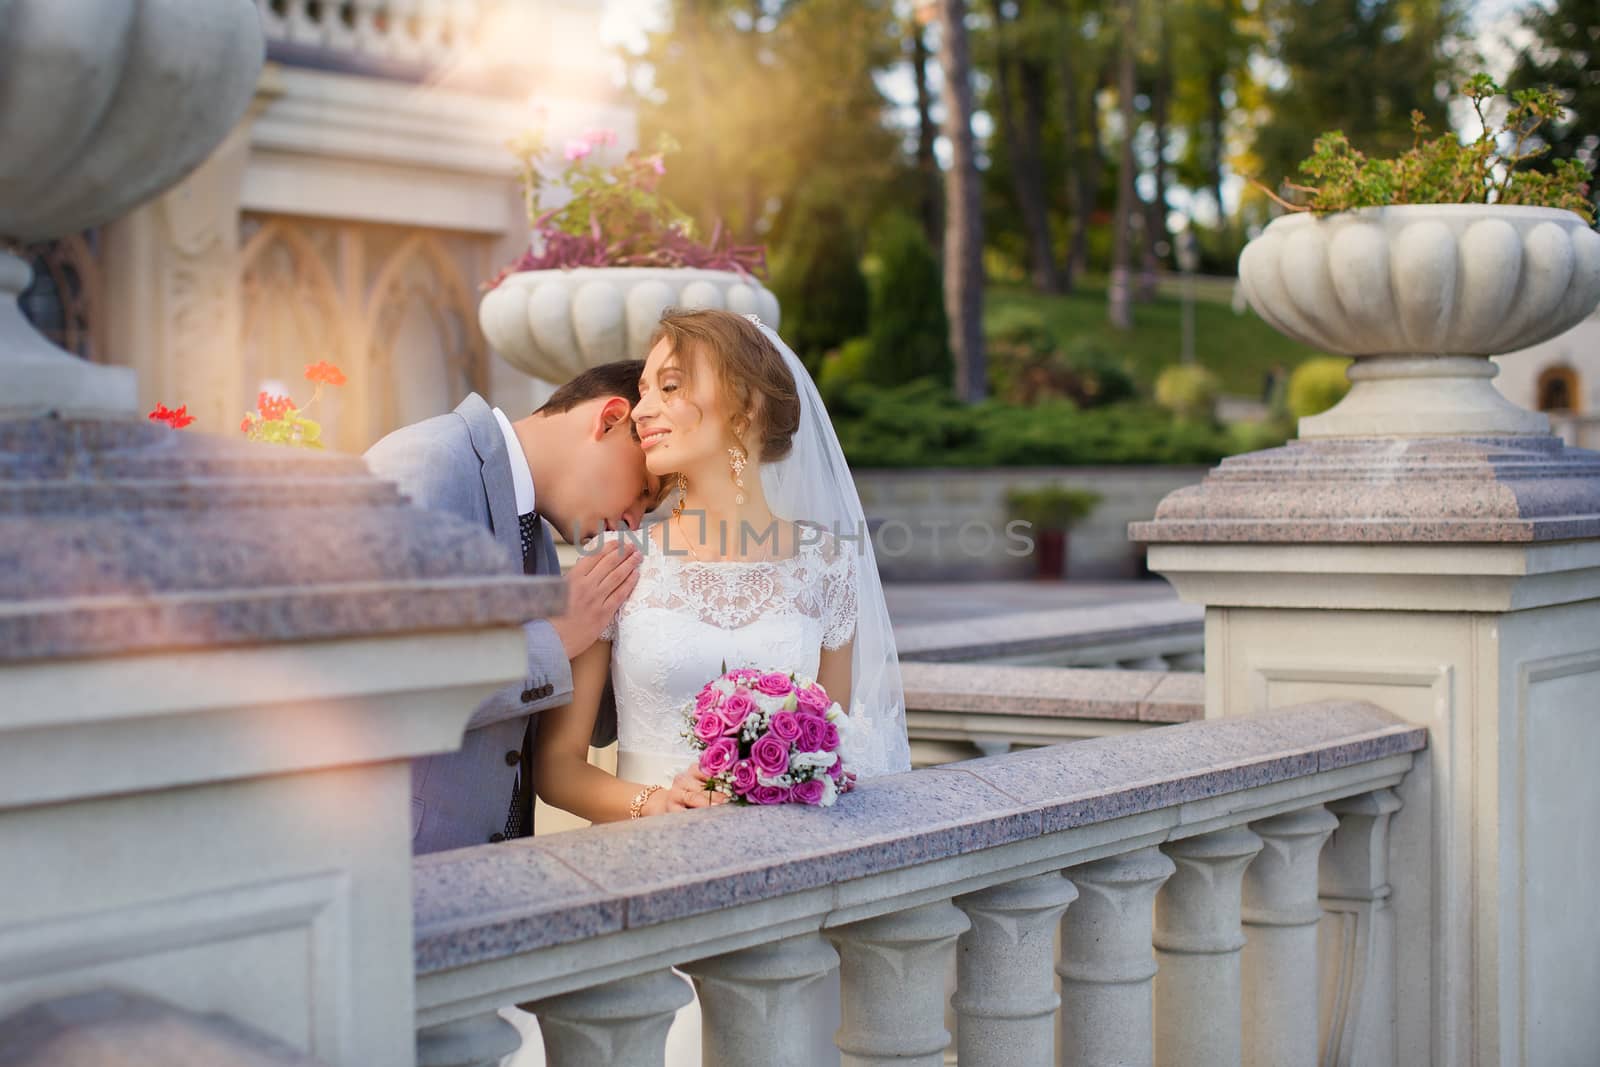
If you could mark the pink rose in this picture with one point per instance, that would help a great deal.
(706, 700)
(837, 770)
(774, 684)
(810, 733)
(735, 710)
(785, 726)
(830, 736)
(771, 756)
(708, 726)
(744, 776)
(769, 794)
(809, 792)
(813, 701)
(719, 756)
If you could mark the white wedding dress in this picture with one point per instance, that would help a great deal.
(684, 620)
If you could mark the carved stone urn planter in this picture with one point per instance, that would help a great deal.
(1422, 296)
(553, 324)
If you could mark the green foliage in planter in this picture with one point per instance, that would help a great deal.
(1027, 365)
(922, 425)
(1317, 384)
(1488, 170)
(820, 279)
(1189, 391)
(1053, 507)
(908, 330)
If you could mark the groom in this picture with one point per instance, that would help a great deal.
(574, 464)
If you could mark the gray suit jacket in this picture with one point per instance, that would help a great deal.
(458, 463)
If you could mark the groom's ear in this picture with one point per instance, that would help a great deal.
(615, 410)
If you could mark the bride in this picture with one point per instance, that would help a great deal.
(765, 562)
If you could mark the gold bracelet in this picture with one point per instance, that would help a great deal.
(636, 809)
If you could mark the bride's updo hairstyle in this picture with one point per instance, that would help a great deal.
(750, 373)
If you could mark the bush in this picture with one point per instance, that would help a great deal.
(1188, 391)
(819, 283)
(908, 330)
(843, 368)
(922, 425)
(1053, 507)
(1317, 384)
(1026, 366)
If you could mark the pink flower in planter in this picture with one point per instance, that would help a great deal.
(576, 150)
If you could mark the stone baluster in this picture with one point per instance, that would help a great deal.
(1106, 961)
(307, 23)
(399, 29)
(1281, 914)
(757, 1004)
(464, 16)
(481, 1041)
(1197, 938)
(431, 20)
(621, 1024)
(274, 25)
(1358, 968)
(892, 978)
(1005, 991)
(366, 30)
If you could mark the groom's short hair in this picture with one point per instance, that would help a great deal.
(608, 379)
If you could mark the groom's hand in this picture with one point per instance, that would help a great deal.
(596, 587)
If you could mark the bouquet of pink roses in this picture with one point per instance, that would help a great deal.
(766, 737)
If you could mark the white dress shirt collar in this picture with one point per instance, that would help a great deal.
(521, 474)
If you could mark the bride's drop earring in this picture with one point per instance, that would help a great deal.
(736, 460)
(683, 491)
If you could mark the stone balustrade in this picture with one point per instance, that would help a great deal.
(1149, 635)
(957, 710)
(972, 870)
(422, 32)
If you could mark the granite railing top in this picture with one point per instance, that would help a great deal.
(121, 536)
(490, 902)
(1055, 692)
(1037, 631)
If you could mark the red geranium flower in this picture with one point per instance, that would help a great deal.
(324, 373)
(273, 407)
(177, 419)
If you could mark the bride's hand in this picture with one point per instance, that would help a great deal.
(691, 782)
(676, 797)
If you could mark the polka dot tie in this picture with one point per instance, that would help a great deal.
(532, 541)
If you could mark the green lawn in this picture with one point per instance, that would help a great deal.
(1238, 348)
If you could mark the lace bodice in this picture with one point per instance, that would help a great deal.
(686, 618)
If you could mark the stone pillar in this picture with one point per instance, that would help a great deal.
(172, 299)
(1281, 912)
(622, 1023)
(1357, 945)
(1447, 571)
(892, 977)
(1106, 961)
(1198, 1009)
(756, 1003)
(1005, 990)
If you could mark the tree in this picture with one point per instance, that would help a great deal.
(1020, 73)
(1566, 57)
(1118, 291)
(762, 96)
(963, 231)
(819, 279)
(1360, 66)
(909, 336)
(930, 189)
